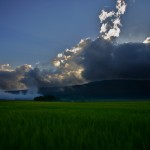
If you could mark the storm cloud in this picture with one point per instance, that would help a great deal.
(89, 60)
(105, 60)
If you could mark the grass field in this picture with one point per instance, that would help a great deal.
(26, 125)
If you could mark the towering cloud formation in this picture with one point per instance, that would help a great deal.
(111, 21)
(104, 60)
(87, 61)
(94, 60)
(67, 69)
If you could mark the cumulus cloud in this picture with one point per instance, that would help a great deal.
(147, 40)
(94, 60)
(104, 15)
(67, 69)
(111, 21)
(105, 60)
(10, 78)
(5, 67)
(89, 60)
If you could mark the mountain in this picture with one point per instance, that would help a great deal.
(107, 89)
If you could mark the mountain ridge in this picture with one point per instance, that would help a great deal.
(106, 89)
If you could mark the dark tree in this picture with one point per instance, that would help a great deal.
(48, 98)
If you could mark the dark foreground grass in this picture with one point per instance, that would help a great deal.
(74, 126)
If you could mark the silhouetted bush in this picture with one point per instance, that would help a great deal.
(48, 98)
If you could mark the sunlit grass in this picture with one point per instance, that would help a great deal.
(74, 126)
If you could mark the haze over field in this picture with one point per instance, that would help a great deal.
(92, 59)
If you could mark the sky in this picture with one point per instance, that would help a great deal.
(45, 43)
(34, 31)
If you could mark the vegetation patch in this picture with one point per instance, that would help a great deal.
(76, 126)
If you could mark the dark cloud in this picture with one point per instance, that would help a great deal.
(98, 60)
(105, 60)
(10, 78)
(132, 60)
(87, 61)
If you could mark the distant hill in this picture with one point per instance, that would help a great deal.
(107, 89)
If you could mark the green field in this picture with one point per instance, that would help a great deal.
(26, 125)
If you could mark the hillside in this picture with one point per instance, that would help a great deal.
(108, 89)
